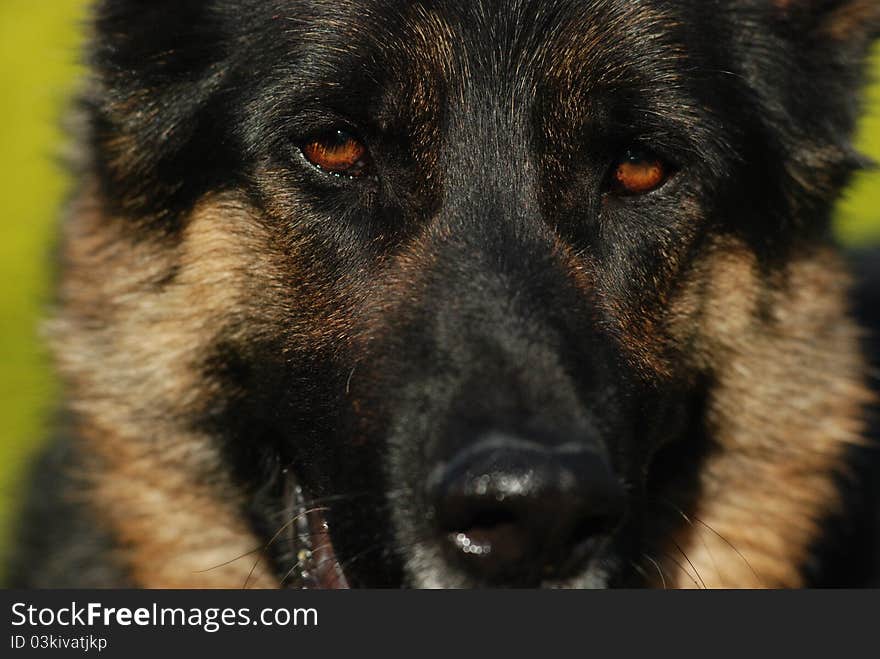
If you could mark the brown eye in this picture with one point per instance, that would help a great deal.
(640, 172)
(337, 152)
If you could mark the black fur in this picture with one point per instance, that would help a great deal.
(493, 148)
(62, 542)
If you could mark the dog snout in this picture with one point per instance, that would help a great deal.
(511, 511)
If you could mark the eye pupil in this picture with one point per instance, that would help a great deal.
(639, 172)
(337, 152)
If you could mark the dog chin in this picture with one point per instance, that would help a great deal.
(426, 568)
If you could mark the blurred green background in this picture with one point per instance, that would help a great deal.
(38, 51)
(39, 42)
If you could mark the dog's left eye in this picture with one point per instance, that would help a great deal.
(337, 152)
(638, 172)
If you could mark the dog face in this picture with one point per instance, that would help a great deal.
(464, 294)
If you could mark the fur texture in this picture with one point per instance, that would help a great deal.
(265, 362)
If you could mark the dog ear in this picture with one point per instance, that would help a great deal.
(848, 25)
(814, 86)
(156, 68)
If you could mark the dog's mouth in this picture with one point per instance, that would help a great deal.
(316, 565)
(500, 541)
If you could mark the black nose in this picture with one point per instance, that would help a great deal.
(514, 512)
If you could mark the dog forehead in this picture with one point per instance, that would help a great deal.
(464, 40)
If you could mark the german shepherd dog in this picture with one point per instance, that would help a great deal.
(460, 294)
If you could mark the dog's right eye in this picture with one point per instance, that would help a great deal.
(638, 172)
(338, 153)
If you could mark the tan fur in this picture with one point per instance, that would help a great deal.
(786, 405)
(137, 316)
(126, 346)
(850, 20)
(844, 23)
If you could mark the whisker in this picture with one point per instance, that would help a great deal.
(251, 573)
(284, 527)
(347, 563)
(737, 551)
(702, 539)
(292, 521)
(299, 562)
(278, 533)
(638, 568)
(659, 570)
(681, 567)
(693, 567)
(230, 561)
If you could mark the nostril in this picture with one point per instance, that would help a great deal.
(496, 547)
(474, 516)
(490, 538)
